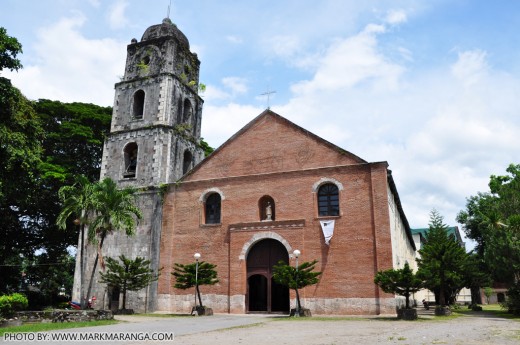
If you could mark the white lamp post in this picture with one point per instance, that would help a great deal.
(296, 254)
(197, 257)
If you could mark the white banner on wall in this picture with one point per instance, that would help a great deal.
(327, 226)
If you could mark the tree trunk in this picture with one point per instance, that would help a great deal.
(82, 301)
(442, 299)
(298, 305)
(124, 298)
(407, 296)
(94, 267)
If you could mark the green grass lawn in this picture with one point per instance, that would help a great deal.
(498, 311)
(41, 327)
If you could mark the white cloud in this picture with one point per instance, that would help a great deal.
(351, 61)
(285, 46)
(220, 123)
(95, 65)
(405, 53)
(234, 39)
(231, 88)
(214, 94)
(470, 66)
(116, 15)
(235, 84)
(396, 17)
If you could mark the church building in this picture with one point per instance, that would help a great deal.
(270, 189)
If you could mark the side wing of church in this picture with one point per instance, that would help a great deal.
(269, 190)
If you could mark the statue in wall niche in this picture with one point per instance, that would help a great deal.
(268, 211)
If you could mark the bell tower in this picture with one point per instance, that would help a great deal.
(154, 140)
(155, 131)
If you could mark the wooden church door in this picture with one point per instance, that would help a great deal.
(263, 294)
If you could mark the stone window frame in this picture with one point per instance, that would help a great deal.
(187, 111)
(127, 152)
(204, 196)
(315, 189)
(187, 161)
(141, 103)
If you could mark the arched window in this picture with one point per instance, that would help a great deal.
(138, 105)
(266, 208)
(186, 117)
(212, 209)
(186, 163)
(328, 200)
(130, 156)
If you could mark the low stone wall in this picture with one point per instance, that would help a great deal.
(59, 315)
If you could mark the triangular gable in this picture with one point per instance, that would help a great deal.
(270, 143)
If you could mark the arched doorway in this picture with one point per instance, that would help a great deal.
(263, 294)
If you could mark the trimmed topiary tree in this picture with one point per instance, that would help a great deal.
(296, 278)
(129, 275)
(403, 282)
(186, 278)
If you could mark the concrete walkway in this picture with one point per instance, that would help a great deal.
(223, 329)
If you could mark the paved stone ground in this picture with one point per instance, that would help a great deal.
(473, 328)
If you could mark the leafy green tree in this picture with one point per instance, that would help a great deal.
(44, 144)
(128, 275)
(115, 210)
(74, 139)
(442, 261)
(493, 220)
(296, 278)
(488, 292)
(9, 49)
(20, 153)
(187, 276)
(476, 276)
(50, 274)
(403, 282)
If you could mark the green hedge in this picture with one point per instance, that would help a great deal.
(11, 303)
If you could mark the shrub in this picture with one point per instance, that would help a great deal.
(11, 303)
(512, 302)
(476, 307)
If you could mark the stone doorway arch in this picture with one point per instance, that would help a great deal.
(264, 295)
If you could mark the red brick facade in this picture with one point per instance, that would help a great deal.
(273, 157)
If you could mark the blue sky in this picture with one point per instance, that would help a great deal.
(432, 87)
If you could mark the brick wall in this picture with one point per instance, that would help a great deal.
(361, 244)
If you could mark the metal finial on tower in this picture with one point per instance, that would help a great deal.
(168, 13)
(268, 93)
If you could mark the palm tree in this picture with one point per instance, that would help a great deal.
(78, 202)
(115, 210)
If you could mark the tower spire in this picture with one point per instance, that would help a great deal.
(168, 13)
